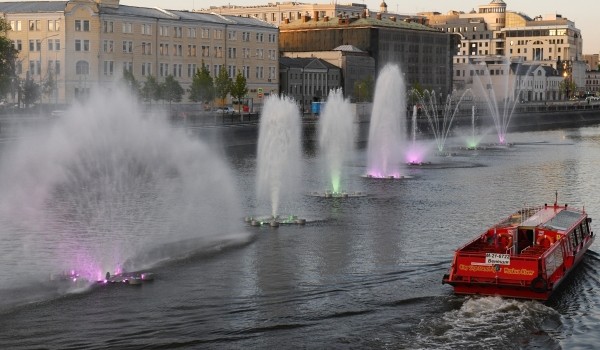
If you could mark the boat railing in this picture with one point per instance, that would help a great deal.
(529, 211)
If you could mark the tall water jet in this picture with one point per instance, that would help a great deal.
(278, 159)
(106, 188)
(336, 136)
(387, 130)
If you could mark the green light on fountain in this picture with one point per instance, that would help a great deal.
(335, 183)
(472, 144)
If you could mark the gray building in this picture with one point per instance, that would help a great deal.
(308, 79)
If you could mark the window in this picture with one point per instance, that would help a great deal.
(82, 45)
(191, 32)
(147, 29)
(205, 33)
(177, 32)
(128, 46)
(18, 44)
(163, 31)
(107, 26)
(53, 45)
(34, 25)
(231, 35)
(191, 70)
(245, 36)
(146, 69)
(163, 69)
(82, 25)
(191, 51)
(177, 70)
(35, 67)
(128, 67)
(15, 26)
(177, 50)
(146, 48)
(127, 27)
(108, 46)
(205, 51)
(231, 71)
(163, 49)
(82, 68)
(108, 67)
(231, 52)
(259, 37)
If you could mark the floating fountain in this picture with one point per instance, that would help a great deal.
(416, 152)
(337, 131)
(106, 188)
(387, 128)
(278, 160)
(440, 114)
(502, 100)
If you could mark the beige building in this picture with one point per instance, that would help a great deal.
(85, 43)
(494, 34)
(280, 12)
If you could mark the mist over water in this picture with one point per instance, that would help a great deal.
(278, 158)
(387, 131)
(106, 187)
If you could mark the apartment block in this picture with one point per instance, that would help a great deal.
(84, 44)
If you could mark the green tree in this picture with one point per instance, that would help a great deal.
(171, 90)
(202, 89)
(8, 57)
(31, 92)
(239, 89)
(130, 83)
(49, 85)
(222, 85)
(363, 89)
(151, 90)
(567, 87)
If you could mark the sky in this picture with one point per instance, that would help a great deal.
(583, 12)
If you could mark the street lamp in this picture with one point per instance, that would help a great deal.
(41, 46)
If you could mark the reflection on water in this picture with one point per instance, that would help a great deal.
(365, 273)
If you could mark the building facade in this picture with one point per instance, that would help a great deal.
(356, 65)
(492, 33)
(289, 11)
(85, 43)
(308, 80)
(423, 53)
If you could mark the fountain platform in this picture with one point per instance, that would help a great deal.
(274, 221)
(389, 177)
(331, 194)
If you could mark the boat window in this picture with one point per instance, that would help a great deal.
(573, 239)
(584, 228)
(578, 234)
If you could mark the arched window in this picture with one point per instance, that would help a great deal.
(82, 68)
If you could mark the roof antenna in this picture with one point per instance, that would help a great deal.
(555, 198)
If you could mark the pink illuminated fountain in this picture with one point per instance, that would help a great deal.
(106, 188)
(387, 128)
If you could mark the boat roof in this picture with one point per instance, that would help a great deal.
(553, 218)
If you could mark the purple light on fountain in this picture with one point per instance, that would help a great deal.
(387, 128)
(416, 152)
(106, 185)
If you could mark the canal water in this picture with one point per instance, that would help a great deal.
(363, 273)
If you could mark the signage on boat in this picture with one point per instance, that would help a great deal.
(497, 259)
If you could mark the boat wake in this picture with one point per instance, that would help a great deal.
(496, 322)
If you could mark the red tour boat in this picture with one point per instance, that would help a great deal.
(527, 255)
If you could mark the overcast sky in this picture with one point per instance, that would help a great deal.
(583, 12)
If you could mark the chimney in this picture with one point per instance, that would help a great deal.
(393, 18)
(379, 16)
(316, 16)
(364, 14)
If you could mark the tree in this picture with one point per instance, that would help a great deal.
(222, 85)
(129, 81)
(31, 92)
(239, 89)
(151, 89)
(363, 89)
(202, 89)
(171, 90)
(567, 87)
(8, 57)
